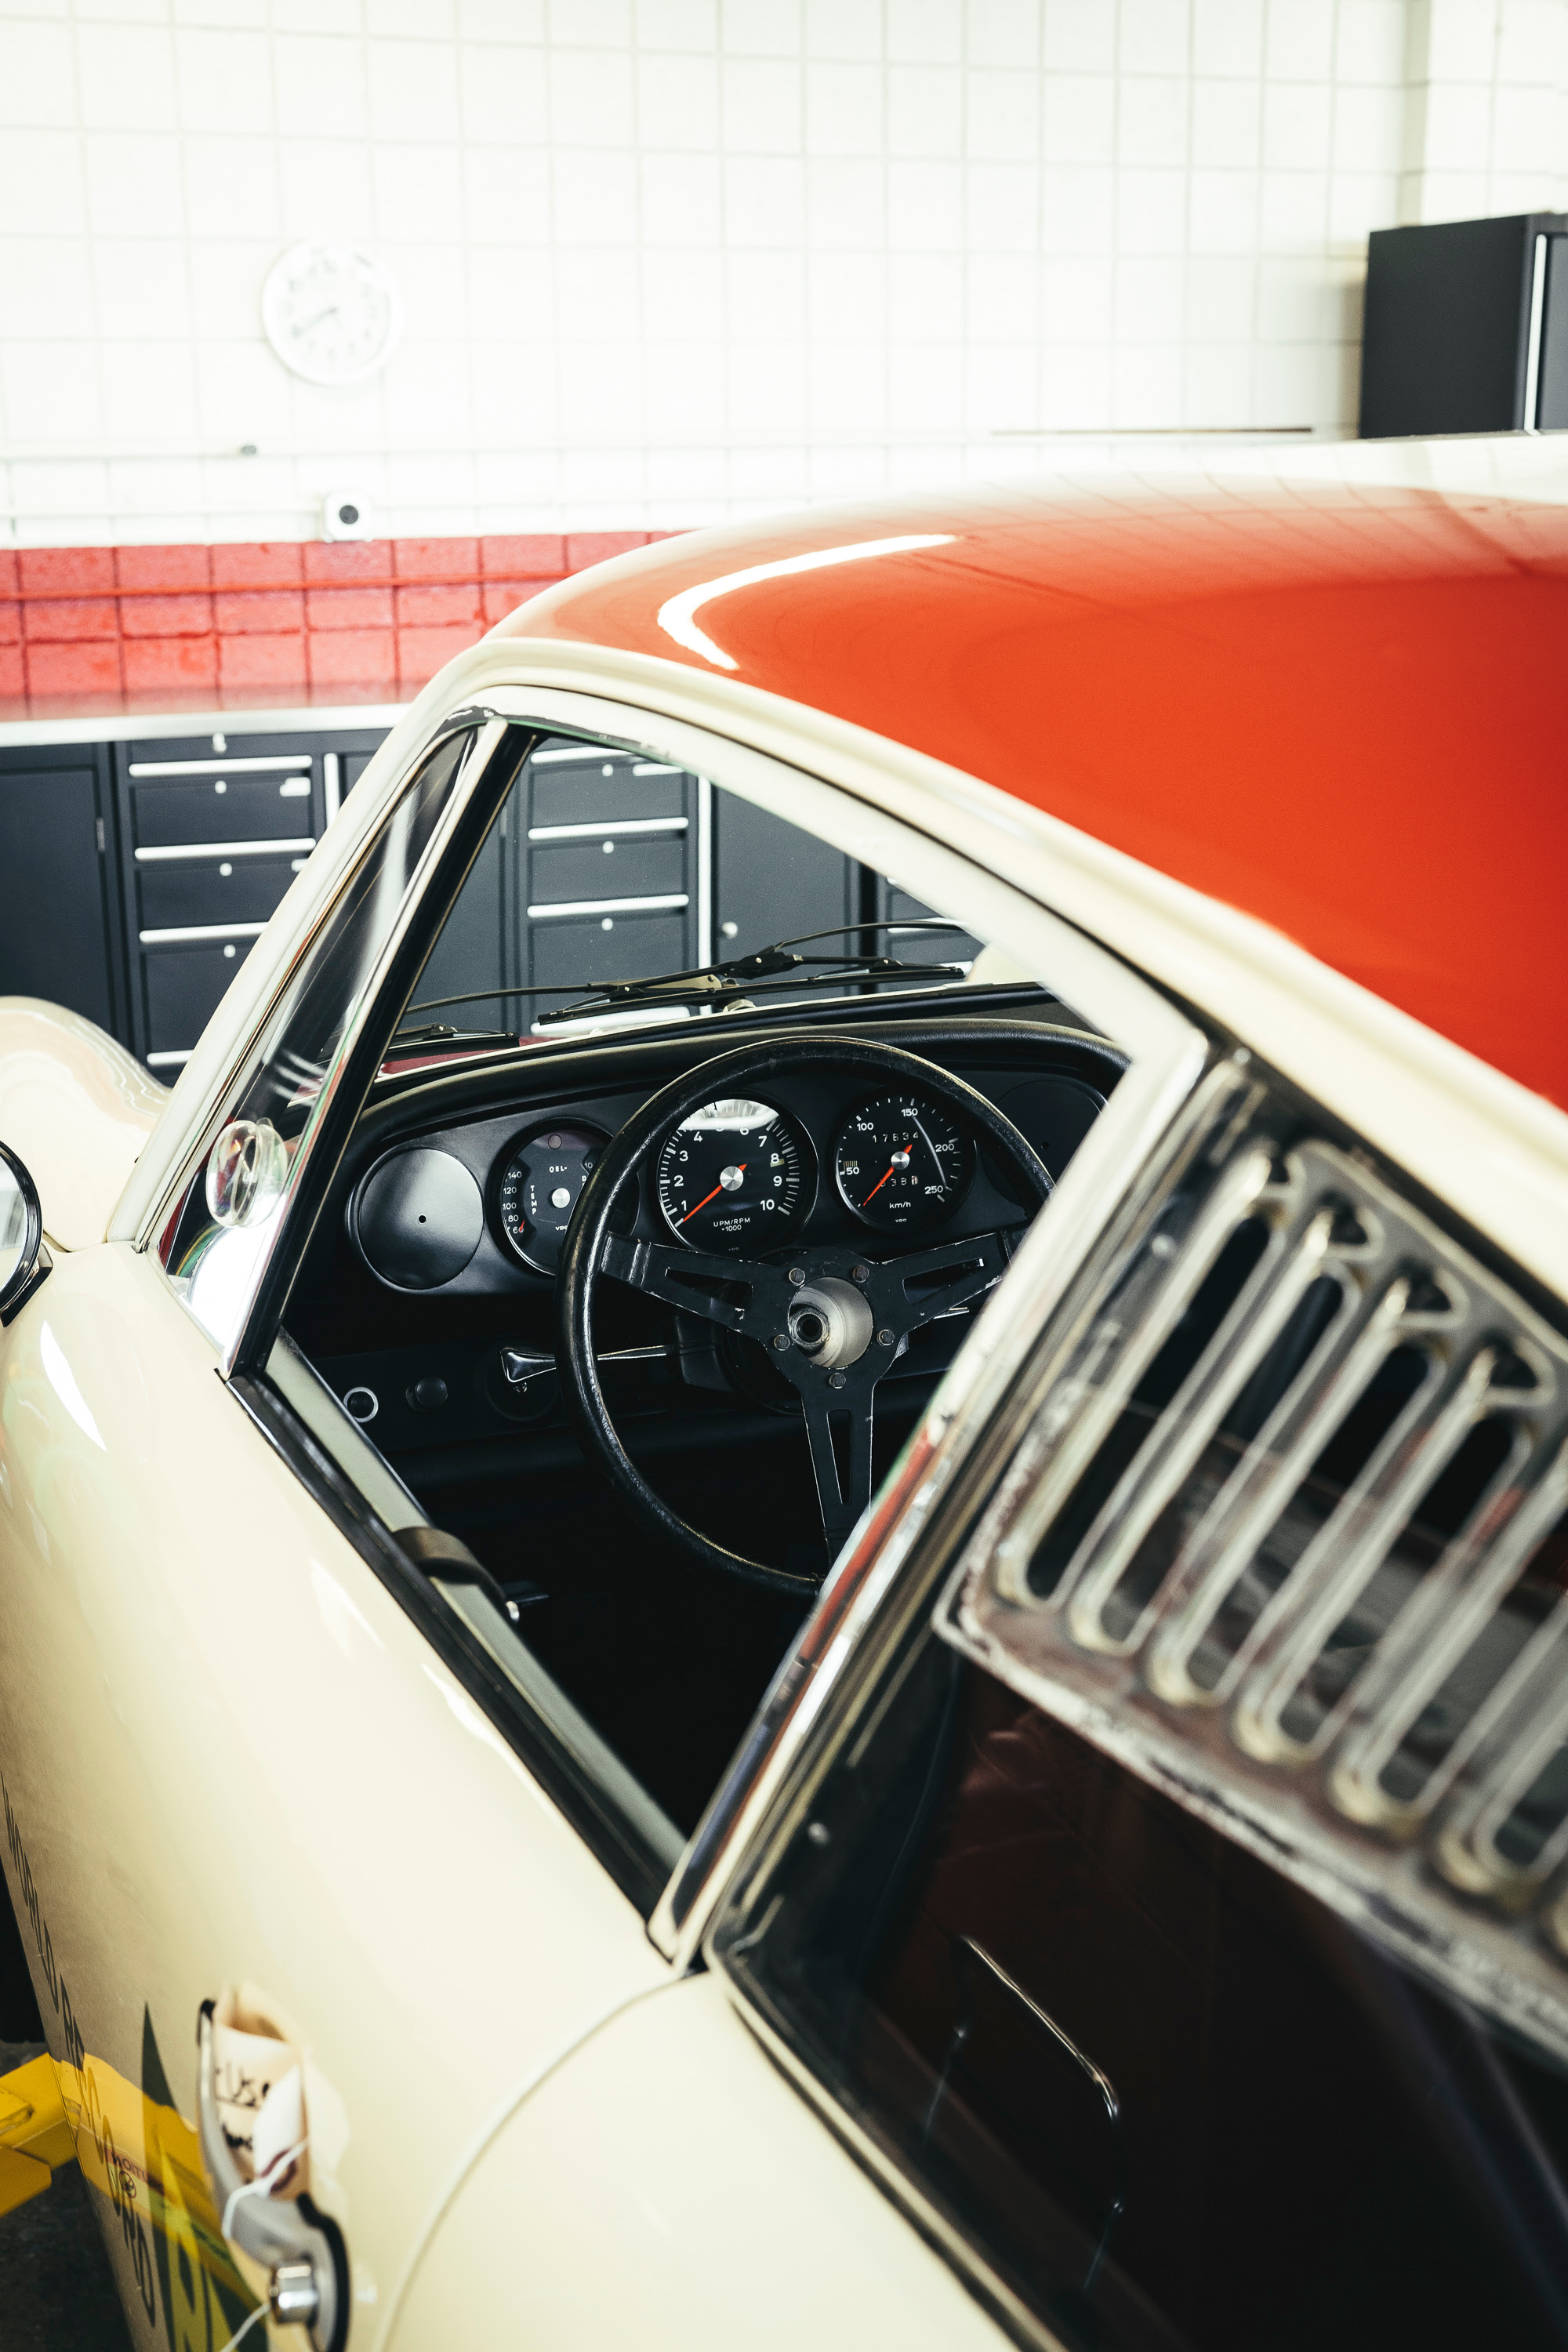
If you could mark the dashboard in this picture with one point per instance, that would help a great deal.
(427, 1300)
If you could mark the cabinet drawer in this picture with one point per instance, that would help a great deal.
(217, 755)
(243, 890)
(224, 808)
(603, 792)
(636, 865)
(577, 948)
(183, 985)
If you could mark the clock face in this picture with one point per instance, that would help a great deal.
(331, 313)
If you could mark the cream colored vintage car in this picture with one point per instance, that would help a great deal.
(593, 1754)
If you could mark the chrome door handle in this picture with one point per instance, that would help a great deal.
(302, 2253)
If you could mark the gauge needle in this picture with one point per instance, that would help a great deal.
(714, 1195)
(899, 1159)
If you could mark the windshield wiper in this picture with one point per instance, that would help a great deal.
(441, 1033)
(719, 987)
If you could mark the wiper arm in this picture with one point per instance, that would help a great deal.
(441, 1033)
(718, 986)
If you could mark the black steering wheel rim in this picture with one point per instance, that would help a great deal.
(591, 1233)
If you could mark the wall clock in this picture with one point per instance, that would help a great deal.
(331, 313)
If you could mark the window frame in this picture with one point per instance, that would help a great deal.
(251, 1334)
(876, 801)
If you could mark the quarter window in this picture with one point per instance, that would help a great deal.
(1170, 2098)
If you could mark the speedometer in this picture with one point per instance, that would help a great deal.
(735, 1176)
(902, 1162)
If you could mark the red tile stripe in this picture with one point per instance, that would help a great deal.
(286, 613)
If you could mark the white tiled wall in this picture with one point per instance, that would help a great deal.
(665, 260)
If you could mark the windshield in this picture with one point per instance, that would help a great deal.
(614, 890)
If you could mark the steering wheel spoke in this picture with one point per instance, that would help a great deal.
(908, 1291)
(838, 1429)
(699, 1284)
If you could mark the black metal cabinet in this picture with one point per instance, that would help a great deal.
(896, 908)
(609, 869)
(1465, 328)
(137, 874)
(592, 872)
(212, 829)
(60, 934)
(771, 881)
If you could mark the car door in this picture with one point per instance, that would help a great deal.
(230, 1755)
(247, 1742)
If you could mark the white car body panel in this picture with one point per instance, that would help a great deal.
(76, 1108)
(721, 2213)
(230, 1755)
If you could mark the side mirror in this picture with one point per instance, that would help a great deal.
(24, 1260)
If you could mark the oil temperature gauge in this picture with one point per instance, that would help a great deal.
(539, 1187)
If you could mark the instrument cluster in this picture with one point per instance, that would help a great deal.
(741, 1177)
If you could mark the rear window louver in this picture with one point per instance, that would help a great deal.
(1288, 1531)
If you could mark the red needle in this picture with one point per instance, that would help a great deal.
(717, 1190)
(875, 1189)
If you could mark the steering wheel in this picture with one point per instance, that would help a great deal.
(832, 1317)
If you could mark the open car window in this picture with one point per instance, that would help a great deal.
(606, 868)
(427, 1306)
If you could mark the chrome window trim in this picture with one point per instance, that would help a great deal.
(217, 1062)
(488, 733)
(1008, 2309)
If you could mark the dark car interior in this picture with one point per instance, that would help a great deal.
(429, 1299)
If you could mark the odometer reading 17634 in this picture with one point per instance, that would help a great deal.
(733, 1177)
(902, 1162)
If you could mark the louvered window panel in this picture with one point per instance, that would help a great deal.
(1287, 1531)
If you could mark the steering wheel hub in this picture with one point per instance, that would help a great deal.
(830, 1321)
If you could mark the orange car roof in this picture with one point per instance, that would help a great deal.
(1336, 705)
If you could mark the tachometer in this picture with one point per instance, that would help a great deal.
(735, 1176)
(901, 1162)
(537, 1190)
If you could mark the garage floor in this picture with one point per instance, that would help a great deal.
(55, 2290)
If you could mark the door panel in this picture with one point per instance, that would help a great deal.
(228, 1755)
(667, 2188)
